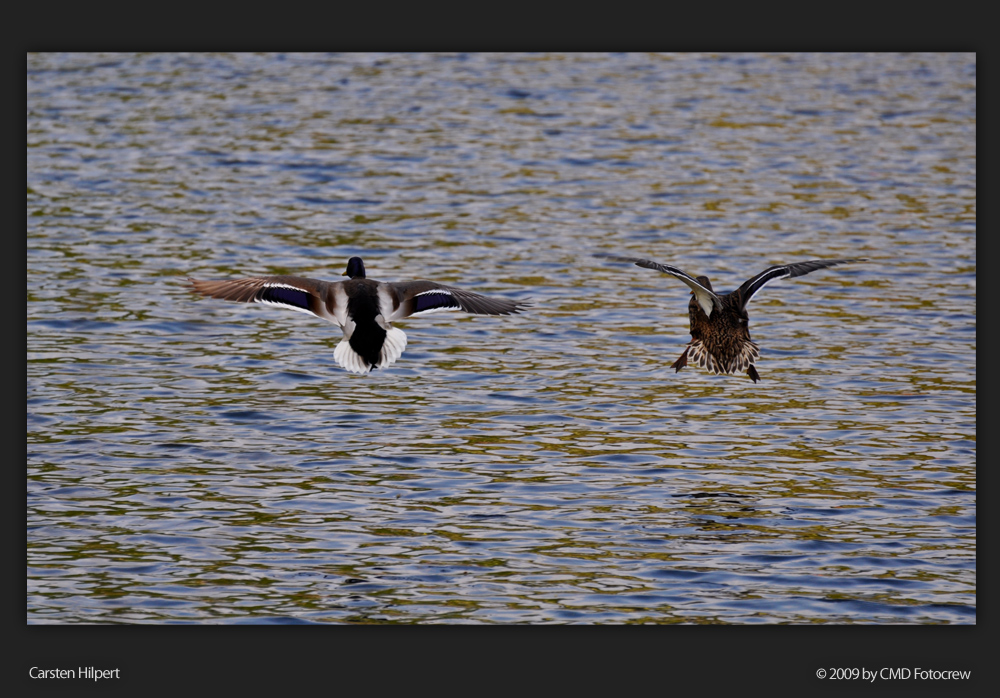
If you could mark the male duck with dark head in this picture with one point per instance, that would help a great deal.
(720, 327)
(363, 308)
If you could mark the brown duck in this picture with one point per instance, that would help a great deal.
(720, 332)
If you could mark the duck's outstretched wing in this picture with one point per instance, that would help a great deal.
(750, 287)
(706, 297)
(319, 298)
(411, 298)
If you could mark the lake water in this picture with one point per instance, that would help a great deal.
(191, 460)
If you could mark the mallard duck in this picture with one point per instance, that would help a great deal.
(720, 331)
(363, 308)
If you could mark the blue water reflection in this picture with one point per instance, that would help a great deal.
(192, 461)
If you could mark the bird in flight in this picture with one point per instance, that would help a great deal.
(363, 308)
(720, 332)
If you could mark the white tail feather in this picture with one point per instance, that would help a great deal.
(392, 349)
(350, 359)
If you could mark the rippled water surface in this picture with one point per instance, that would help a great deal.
(193, 460)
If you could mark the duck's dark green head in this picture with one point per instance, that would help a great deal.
(355, 268)
(703, 280)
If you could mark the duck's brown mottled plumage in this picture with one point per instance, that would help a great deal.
(720, 343)
(720, 329)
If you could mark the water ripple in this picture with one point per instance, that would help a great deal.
(194, 461)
